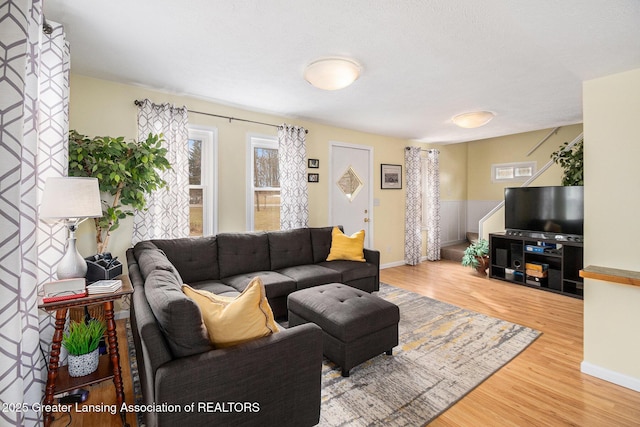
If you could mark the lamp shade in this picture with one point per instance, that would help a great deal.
(474, 119)
(332, 73)
(66, 198)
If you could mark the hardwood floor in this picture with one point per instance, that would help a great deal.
(543, 386)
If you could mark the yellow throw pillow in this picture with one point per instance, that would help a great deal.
(350, 248)
(230, 321)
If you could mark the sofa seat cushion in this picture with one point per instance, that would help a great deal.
(178, 316)
(233, 320)
(310, 275)
(352, 270)
(216, 287)
(275, 284)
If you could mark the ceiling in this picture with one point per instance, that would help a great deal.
(423, 61)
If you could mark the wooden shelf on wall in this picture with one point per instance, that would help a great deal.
(615, 275)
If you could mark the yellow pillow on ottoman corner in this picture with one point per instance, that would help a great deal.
(350, 248)
(231, 321)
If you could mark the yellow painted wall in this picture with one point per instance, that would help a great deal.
(99, 107)
(453, 171)
(513, 148)
(612, 229)
(509, 149)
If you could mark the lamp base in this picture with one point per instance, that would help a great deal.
(72, 265)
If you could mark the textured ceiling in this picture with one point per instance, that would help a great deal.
(423, 61)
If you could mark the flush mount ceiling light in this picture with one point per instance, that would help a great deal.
(332, 73)
(474, 119)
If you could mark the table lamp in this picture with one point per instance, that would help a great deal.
(71, 200)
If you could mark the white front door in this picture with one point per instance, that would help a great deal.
(350, 189)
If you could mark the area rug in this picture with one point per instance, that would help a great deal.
(444, 352)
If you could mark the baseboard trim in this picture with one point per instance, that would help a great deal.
(391, 264)
(610, 376)
(399, 263)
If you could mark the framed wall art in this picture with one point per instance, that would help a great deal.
(390, 177)
(313, 163)
(313, 177)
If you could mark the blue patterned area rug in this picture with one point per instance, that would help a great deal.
(444, 352)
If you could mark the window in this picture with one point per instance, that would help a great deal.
(202, 182)
(505, 172)
(263, 212)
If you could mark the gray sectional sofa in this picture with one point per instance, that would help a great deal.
(278, 375)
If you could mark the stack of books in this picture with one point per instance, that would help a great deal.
(104, 286)
(63, 290)
(536, 273)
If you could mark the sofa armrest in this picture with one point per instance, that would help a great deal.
(372, 256)
(275, 380)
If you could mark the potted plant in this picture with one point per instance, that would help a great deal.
(571, 161)
(81, 341)
(125, 170)
(477, 256)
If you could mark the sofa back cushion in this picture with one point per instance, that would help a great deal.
(178, 316)
(150, 259)
(290, 248)
(195, 258)
(240, 253)
(321, 242)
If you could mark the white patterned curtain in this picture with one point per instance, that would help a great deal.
(34, 91)
(432, 201)
(413, 208)
(294, 198)
(167, 213)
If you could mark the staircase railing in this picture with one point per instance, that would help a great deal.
(527, 183)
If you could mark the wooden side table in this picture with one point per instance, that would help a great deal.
(58, 379)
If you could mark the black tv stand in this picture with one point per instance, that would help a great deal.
(561, 258)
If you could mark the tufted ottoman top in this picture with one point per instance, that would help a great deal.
(342, 311)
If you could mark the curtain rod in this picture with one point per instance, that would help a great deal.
(139, 103)
(428, 150)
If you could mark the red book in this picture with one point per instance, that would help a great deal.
(58, 298)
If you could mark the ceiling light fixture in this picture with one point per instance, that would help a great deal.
(332, 73)
(474, 119)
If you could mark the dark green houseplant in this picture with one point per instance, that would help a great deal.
(477, 256)
(570, 160)
(128, 171)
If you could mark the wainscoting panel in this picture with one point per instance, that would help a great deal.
(453, 221)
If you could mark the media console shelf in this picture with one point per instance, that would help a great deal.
(548, 264)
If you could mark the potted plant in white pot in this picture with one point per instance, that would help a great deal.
(477, 256)
(82, 341)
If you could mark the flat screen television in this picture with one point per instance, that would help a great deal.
(558, 210)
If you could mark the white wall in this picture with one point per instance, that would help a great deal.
(453, 221)
(476, 210)
(612, 229)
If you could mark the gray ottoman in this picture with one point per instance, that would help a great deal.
(356, 325)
